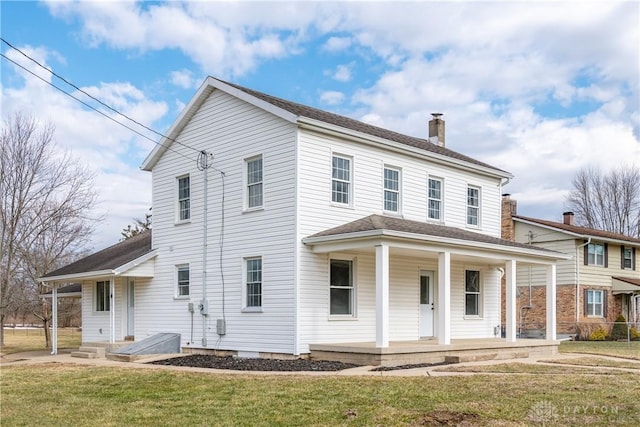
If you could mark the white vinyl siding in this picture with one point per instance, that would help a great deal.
(102, 296)
(253, 282)
(341, 180)
(434, 208)
(595, 254)
(254, 189)
(595, 303)
(392, 190)
(182, 280)
(473, 206)
(184, 198)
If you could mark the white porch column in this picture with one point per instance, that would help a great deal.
(382, 295)
(444, 298)
(54, 317)
(112, 310)
(510, 297)
(551, 302)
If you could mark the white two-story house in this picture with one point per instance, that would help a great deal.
(279, 228)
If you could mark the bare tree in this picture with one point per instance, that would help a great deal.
(46, 201)
(137, 228)
(609, 202)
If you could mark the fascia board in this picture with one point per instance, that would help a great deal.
(136, 262)
(77, 276)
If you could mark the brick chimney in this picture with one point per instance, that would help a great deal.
(436, 129)
(568, 218)
(509, 208)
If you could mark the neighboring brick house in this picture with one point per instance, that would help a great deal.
(600, 281)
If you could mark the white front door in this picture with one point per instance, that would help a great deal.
(131, 307)
(426, 304)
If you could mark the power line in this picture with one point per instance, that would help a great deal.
(92, 107)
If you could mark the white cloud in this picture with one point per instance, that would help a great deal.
(332, 97)
(343, 72)
(183, 78)
(337, 44)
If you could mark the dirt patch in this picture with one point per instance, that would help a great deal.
(242, 364)
(410, 366)
(448, 418)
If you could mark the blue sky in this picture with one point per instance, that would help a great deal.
(540, 89)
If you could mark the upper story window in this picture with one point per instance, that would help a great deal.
(391, 189)
(253, 282)
(254, 182)
(473, 206)
(628, 258)
(182, 272)
(596, 254)
(102, 296)
(341, 176)
(184, 198)
(435, 199)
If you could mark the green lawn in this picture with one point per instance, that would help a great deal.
(603, 348)
(596, 361)
(19, 340)
(92, 396)
(526, 368)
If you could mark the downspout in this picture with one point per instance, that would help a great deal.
(112, 311)
(54, 315)
(578, 278)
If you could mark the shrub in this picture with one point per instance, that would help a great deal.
(634, 334)
(619, 331)
(598, 335)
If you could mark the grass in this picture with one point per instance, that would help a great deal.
(19, 340)
(525, 368)
(94, 396)
(603, 348)
(595, 361)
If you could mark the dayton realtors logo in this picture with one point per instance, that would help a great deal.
(545, 412)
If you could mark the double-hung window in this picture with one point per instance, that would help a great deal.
(184, 198)
(102, 296)
(435, 199)
(182, 280)
(596, 254)
(595, 303)
(341, 175)
(472, 293)
(473, 206)
(254, 182)
(391, 190)
(254, 282)
(341, 288)
(627, 258)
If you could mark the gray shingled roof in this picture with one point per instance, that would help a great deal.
(358, 126)
(576, 229)
(110, 258)
(381, 222)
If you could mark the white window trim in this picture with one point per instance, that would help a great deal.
(95, 298)
(177, 200)
(350, 182)
(467, 206)
(480, 294)
(245, 184)
(354, 288)
(601, 304)
(595, 255)
(624, 252)
(436, 178)
(399, 191)
(176, 292)
(245, 307)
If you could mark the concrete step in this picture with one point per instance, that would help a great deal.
(84, 354)
(99, 351)
(478, 357)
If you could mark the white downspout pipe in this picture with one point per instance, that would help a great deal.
(112, 310)
(54, 317)
(578, 278)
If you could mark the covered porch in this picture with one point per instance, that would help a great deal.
(452, 254)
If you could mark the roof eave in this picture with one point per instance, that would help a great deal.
(584, 236)
(76, 276)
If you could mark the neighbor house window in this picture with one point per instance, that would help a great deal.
(254, 281)
(184, 198)
(341, 180)
(391, 190)
(595, 303)
(341, 287)
(473, 206)
(472, 293)
(435, 199)
(183, 280)
(627, 258)
(254, 182)
(102, 296)
(596, 254)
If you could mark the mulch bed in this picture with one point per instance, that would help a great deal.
(242, 364)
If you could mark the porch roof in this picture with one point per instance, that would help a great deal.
(363, 231)
(114, 260)
(625, 285)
